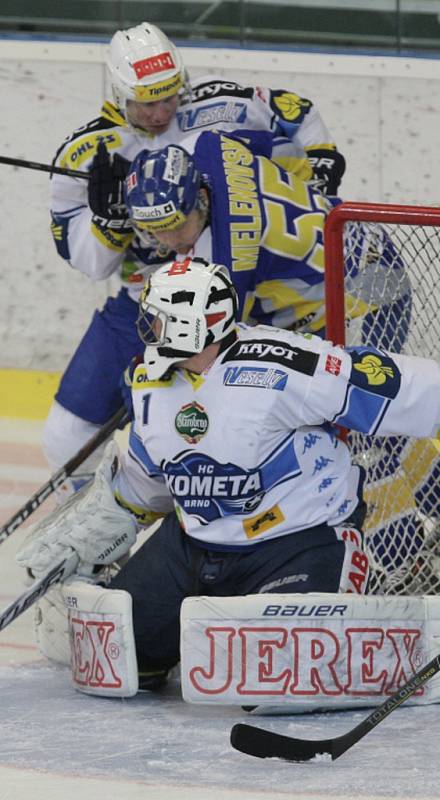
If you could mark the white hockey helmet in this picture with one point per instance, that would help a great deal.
(144, 66)
(184, 307)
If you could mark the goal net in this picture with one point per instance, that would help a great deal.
(382, 266)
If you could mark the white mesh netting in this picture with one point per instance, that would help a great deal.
(391, 301)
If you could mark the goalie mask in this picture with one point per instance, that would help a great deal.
(161, 189)
(144, 66)
(184, 307)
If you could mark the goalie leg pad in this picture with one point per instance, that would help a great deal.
(103, 654)
(82, 625)
(291, 653)
(51, 622)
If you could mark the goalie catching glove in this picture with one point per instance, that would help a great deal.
(105, 189)
(91, 523)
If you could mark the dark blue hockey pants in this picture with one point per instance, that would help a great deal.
(171, 566)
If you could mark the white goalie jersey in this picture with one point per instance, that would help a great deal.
(248, 450)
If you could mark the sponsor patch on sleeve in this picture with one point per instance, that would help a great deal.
(59, 228)
(289, 106)
(333, 365)
(374, 372)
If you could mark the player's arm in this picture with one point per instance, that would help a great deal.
(89, 223)
(373, 391)
(139, 485)
(299, 119)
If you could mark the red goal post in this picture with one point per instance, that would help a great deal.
(334, 248)
(382, 270)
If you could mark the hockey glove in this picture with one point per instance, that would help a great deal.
(328, 168)
(106, 182)
(91, 523)
(126, 382)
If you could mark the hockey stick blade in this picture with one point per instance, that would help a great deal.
(57, 574)
(268, 744)
(117, 420)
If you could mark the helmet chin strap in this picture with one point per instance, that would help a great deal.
(204, 206)
(223, 344)
(227, 341)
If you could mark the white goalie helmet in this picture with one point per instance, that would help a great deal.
(184, 307)
(144, 66)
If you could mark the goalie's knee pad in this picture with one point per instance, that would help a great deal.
(91, 628)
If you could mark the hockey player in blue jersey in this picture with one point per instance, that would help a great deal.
(233, 441)
(229, 203)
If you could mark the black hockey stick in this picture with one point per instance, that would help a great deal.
(57, 574)
(267, 744)
(118, 420)
(20, 162)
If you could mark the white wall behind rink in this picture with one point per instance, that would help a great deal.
(384, 114)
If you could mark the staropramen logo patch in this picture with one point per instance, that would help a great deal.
(192, 422)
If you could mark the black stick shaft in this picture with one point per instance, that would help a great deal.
(20, 162)
(385, 709)
(117, 420)
(268, 744)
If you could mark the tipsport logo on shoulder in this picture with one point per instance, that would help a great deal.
(258, 377)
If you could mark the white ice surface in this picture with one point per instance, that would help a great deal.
(57, 743)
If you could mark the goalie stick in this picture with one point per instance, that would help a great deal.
(20, 162)
(57, 574)
(118, 420)
(268, 744)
